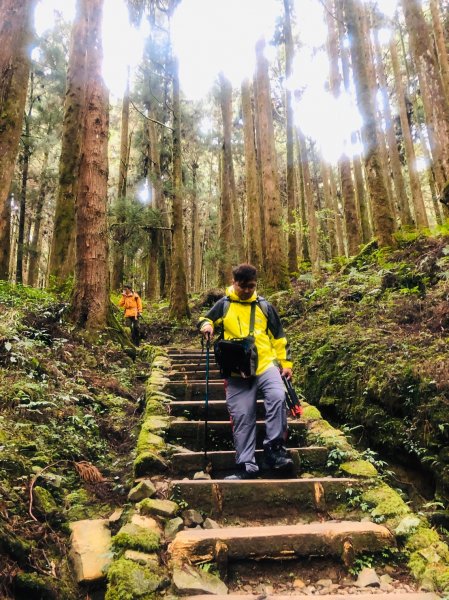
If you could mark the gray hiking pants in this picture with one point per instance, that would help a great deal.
(241, 402)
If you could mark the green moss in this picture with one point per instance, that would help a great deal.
(149, 441)
(311, 412)
(359, 468)
(149, 462)
(424, 537)
(143, 540)
(385, 502)
(31, 586)
(44, 501)
(129, 581)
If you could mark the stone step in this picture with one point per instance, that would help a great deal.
(192, 366)
(172, 351)
(191, 434)
(217, 409)
(358, 596)
(191, 357)
(280, 541)
(185, 462)
(262, 498)
(194, 390)
(214, 374)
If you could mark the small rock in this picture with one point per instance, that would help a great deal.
(116, 516)
(172, 528)
(188, 580)
(210, 524)
(367, 578)
(143, 558)
(144, 489)
(324, 582)
(145, 522)
(386, 578)
(192, 517)
(163, 508)
(201, 475)
(90, 549)
(299, 584)
(268, 590)
(386, 587)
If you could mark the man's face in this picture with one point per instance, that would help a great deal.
(126, 290)
(244, 289)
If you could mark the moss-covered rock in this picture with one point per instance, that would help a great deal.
(310, 412)
(163, 508)
(149, 462)
(128, 580)
(45, 503)
(33, 586)
(385, 502)
(133, 537)
(359, 468)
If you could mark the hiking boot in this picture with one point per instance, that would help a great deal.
(241, 475)
(277, 457)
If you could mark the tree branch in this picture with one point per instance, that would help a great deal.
(149, 118)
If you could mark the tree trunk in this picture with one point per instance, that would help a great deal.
(228, 166)
(291, 192)
(15, 33)
(226, 238)
(383, 221)
(344, 164)
(62, 255)
(440, 44)
(415, 185)
(337, 212)
(25, 160)
(312, 220)
(259, 168)
(254, 227)
(35, 244)
(330, 215)
(395, 161)
(432, 91)
(195, 280)
(90, 301)
(118, 253)
(276, 259)
(179, 307)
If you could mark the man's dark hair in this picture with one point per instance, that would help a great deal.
(244, 272)
(126, 286)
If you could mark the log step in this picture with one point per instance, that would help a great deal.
(367, 596)
(191, 433)
(313, 456)
(172, 351)
(194, 390)
(261, 498)
(281, 541)
(192, 366)
(217, 410)
(214, 375)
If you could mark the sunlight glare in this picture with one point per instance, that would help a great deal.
(210, 36)
(46, 11)
(122, 45)
(145, 193)
(387, 7)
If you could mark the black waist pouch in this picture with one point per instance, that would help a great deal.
(238, 356)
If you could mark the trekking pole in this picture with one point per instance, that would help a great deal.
(206, 400)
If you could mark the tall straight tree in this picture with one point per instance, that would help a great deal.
(62, 255)
(275, 267)
(291, 195)
(90, 300)
(434, 99)
(195, 276)
(179, 306)
(118, 255)
(352, 226)
(383, 221)
(440, 43)
(228, 165)
(15, 35)
(254, 226)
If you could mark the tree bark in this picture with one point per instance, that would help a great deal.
(440, 44)
(415, 185)
(35, 248)
(254, 226)
(118, 254)
(195, 281)
(330, 215)
(15, 33)
(395, 161)
(179, 306)
(383, 221)
(291, 191)
(312, 221)
(276, 259)
(62, 255)
(90, 301)
(352, 225)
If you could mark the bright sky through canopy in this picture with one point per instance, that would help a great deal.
(210, 36)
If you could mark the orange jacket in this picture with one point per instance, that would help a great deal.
(132, 304)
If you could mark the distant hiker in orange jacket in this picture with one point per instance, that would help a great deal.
(132, 303)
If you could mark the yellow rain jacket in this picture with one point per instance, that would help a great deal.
(270, 340)
(132, 304)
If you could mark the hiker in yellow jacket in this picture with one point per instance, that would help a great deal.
(244, 314)
(132, 304)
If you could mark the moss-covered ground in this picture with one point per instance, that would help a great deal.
(69, 405)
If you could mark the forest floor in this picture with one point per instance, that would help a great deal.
(370, 348)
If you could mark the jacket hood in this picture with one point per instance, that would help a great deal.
(233, 296)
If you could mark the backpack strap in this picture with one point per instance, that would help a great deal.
(252, 318)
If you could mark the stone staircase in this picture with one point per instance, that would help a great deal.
(282, 521)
